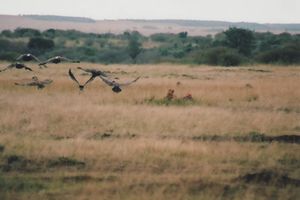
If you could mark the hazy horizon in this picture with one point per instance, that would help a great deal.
(276, 11)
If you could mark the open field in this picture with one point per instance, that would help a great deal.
(226, 143)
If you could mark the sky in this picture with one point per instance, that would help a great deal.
(261, 11)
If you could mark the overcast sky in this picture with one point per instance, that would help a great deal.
(262, 11)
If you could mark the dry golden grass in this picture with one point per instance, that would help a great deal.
(132, 149)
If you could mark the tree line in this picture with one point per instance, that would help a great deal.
(232, 47)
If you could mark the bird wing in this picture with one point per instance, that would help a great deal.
(47, 61)
(93, 71)
(8, 67)
(28, 68)
(35, 58)
(91, 79)
(73, 77)
(20, 57)
(107, 81)
(85, 70)
(31, 83)
(66, 59)
(46, 82)
(128, 83)
(101, 73)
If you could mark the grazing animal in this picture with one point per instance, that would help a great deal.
(56, 60)
(116, 87)
(16, 65)
(27, 57)
(81, 87)
(36, 82)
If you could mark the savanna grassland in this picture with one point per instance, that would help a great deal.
(227, 142)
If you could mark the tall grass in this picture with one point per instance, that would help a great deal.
(130, 148)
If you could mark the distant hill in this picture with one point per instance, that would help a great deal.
(61, 18)
(146, 27)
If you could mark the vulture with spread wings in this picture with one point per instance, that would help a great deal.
(35, 82)
(81, 87)
(27, 57)
(16, 65)
(94, 72)
(56, 60)
(116, 87)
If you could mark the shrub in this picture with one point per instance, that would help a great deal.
(113, 55)
(8, 55)
(7, 33)
(40, 43)
(220, 56)
(162, 37)
(27, 32)
(287, 54)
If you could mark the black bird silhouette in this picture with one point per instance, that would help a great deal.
(81, 87)
(116, 87)
(27, 57)
(16, 65)
(36, 82)
(56, 60)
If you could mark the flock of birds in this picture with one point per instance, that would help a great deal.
(40, 84)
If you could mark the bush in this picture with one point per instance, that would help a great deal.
(113, 55)
(49, 33)
(8, 55)
(220, 56)
(27, 32)
(287, 55)
(9, 50)
(149, 56)
(8, 45)
(7, 33)
(162, 37)
(39, 43)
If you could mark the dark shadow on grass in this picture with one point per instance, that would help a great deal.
(269, 178)
(251, 137)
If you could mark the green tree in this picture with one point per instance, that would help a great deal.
(7, 33)
(183, 35)
(134, 46)
(27, 32)
(240, 39)
(220, 56)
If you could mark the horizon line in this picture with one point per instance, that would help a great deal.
(153, 19)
